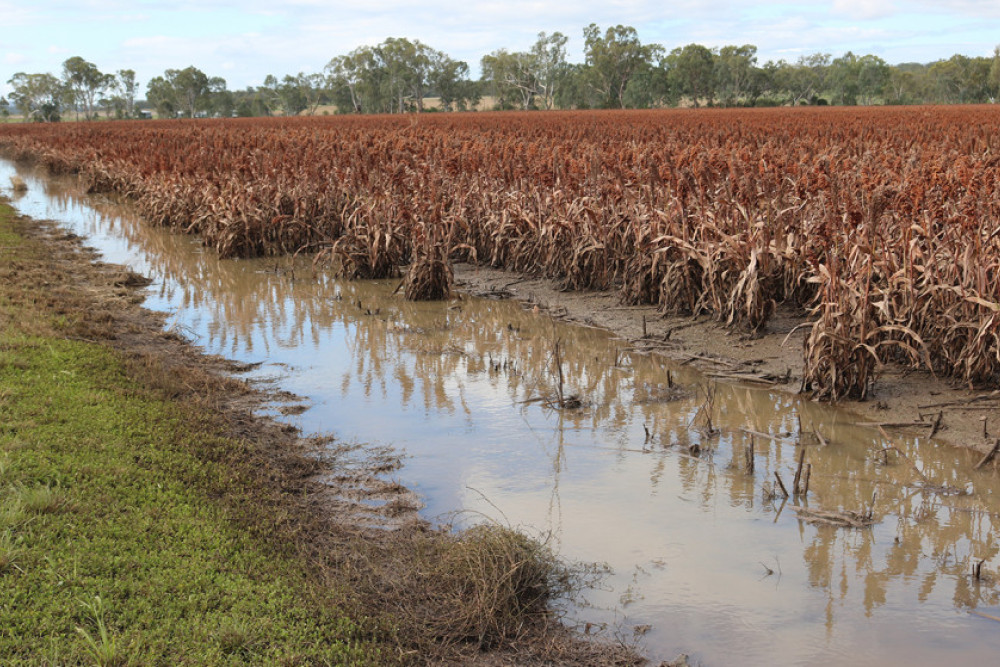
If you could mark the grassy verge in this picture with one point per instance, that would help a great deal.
(113, 547)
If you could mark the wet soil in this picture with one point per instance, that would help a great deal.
(903, 399)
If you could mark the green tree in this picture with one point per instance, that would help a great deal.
(858, 79)
(249, 102)
(510, 76)
(763, 84)
(450, 80)
(127, 87)
(735, 69)
(221, 103)
(85, 84)
(187, 91)
(345, 77)
(291, 96)
(649, 87)
(843, 79)
(313, 89)
(961, 80)
(613, 58)
(907, 84)
(407, 66)
(192, 87)
(394, 77)
(575, 90)
(994, 75)
(692, 73)
(805, 80)
(873, 78)
(38, 96)
(161, 95)
(548, 61)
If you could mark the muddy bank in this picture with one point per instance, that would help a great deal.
(902, 398)
(330, 506)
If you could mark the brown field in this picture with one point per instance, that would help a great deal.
(880, 223)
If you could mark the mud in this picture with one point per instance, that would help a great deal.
(771, 358)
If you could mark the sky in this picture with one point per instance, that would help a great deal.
(245, 40)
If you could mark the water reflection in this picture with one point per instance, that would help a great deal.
(700, 554)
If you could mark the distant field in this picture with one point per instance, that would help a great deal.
(879, 221)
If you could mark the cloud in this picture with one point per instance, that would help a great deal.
(980, 9)
(865, 10)
(248, 39)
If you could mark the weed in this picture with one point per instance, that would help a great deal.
(6, 466)
(12, 512)
(10, 553)
(104, 648)
(40, 499)
(486, 583)
(238, 636)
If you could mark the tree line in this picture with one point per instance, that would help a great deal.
(618, 71)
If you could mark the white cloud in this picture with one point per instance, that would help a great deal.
(864, 9)
(975, 8)
(248, 39)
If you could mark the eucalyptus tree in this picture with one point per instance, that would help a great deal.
(548, 62)
(310, 90)
(650, 87)
(857, 79)
(221, 102)
(345, 77)
(613, 58)
(510, 75)
(907, 84)
(85, 84)
(994, 75)
(805, 80)
(735, 71)
(450, 80)
(408, 66)
(127, 87)
(575, 90)
(961, 80)
(396, 76)
(531, 77)
(295, 94)
(185, 91)
(692, 73)
(38, 96)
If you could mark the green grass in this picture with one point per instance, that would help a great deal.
(113, 549)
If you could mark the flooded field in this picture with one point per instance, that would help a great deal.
(666, 478)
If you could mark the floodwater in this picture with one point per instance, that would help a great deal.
(702, 560)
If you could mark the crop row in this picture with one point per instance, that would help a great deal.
(882, 223)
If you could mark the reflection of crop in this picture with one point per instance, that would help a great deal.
(880, 221)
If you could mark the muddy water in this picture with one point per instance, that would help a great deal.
(704, 561)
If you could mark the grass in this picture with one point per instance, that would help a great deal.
(113, 547)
